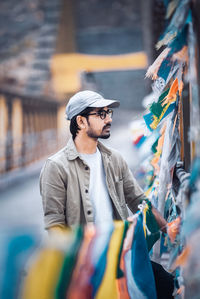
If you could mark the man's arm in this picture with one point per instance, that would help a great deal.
(53, 192)
(134, 195)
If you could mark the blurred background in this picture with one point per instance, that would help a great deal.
(50, 49)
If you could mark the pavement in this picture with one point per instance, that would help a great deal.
(21, 204)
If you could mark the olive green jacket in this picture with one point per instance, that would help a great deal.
(64, 187)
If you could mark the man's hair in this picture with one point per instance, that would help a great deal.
(74, 128)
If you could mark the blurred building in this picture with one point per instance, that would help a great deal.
(51, 49)
(29, 107)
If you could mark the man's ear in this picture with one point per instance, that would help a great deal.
(81, 121)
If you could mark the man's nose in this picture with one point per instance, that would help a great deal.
(108, 119)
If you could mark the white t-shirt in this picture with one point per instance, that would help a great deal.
(98, 191)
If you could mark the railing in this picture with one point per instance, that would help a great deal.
(20, 152)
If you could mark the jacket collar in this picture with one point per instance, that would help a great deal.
(72, 152)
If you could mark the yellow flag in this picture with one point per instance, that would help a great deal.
(108, 287)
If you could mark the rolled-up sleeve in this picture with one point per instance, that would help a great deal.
(53, 192)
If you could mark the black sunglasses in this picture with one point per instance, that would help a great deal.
(103, 113)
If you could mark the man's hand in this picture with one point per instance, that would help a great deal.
(162, 223)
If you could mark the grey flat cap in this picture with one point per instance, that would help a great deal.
(87, 98)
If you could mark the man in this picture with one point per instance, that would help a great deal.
(85, 181)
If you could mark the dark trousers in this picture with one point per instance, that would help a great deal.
(164, 282)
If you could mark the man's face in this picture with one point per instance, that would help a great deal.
(98, 127)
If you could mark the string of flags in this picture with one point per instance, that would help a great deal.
(110, 260)
(162, 119)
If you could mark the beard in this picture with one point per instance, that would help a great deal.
(103, 135)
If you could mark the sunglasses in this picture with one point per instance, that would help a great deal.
(103, 113)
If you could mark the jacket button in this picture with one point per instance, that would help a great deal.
(86, 190)
(86, 167)
(89, 212)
